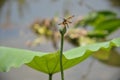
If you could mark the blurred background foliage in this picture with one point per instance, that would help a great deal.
(115, 3)
(94, 27)
(23, 5)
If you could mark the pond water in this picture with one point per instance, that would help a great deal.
(17, 32)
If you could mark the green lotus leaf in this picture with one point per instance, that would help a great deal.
(12, 57)
(97, 34)
(109, 25)
(96, 17)
(111, 57)
(49, 62)
(80, 51)
(102, 55)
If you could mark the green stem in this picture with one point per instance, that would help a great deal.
(50, 76)
(61, 52)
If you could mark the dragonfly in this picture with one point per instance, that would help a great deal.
(66, 21)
